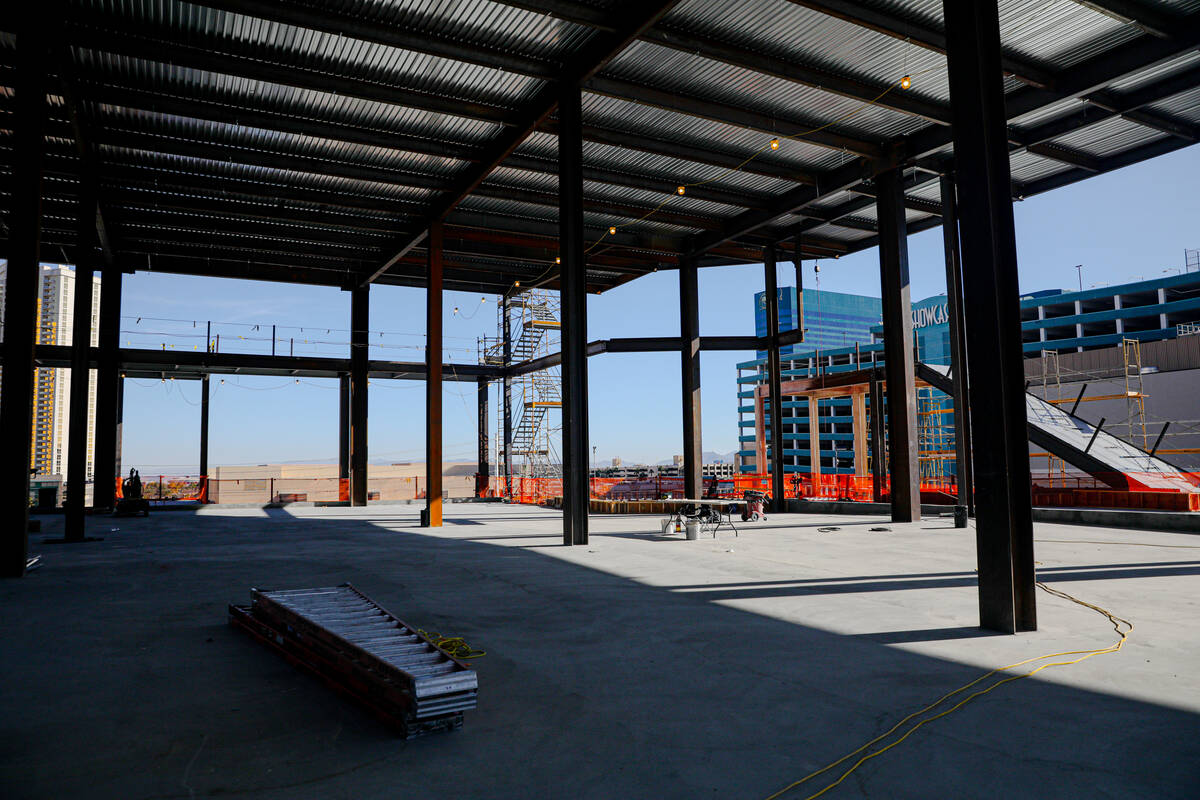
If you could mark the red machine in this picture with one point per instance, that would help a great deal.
(752, 507)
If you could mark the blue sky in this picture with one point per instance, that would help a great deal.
(1128, 224)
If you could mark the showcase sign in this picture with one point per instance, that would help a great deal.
(930, 315)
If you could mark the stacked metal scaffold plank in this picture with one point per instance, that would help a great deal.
(364, 652)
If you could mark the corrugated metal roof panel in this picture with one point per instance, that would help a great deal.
(246, 93)
(1184, 106)
(249, 175)
(638, 163)
(823, 41)
(594, 222)
(1059, 32)
(619, 114)
(677, 71)
(545, 182)
(328, 53)
(838, 233)
(235, 137)
(1109, 137)
(1167, 68)
(635, 161)
(1026, 167)
(502, 26)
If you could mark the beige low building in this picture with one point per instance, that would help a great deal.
(275, 483)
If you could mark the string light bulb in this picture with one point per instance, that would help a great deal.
(906, 82)
(612, 229)
(558, 259)
(681, 189)
(517, 284)
(774, 144)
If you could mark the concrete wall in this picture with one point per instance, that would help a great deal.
(319, 482)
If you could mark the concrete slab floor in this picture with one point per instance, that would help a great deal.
(639, 666)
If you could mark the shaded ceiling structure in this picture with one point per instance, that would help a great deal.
(315, 142)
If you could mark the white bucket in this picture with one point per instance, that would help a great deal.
(692, 529)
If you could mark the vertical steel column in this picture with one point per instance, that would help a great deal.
(1004, 516)
(433, 378)
(814, 439)
(81, 342)
(797, 262)
(106, 469)
(858, 403)
(483, 467)
(898, 348)
(343, 429)
(573, 283)
(359, 328)
(958, 351)
(773, 380)
(204, 397)
(878, 444)
(689, 331)
(21, 293)
(507, 432)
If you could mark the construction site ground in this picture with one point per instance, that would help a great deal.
(638, 666)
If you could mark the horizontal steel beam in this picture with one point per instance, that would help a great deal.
(179, 362)
(650, 344)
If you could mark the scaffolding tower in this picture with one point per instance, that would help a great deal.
(530, 323)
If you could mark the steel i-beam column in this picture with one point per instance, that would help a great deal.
(689, 330)
(433, 378)
(779, 503)
(573, 282)
(958, 352)
(81, 341)
(359, 327)
(483, 466)
(878, 446)
(343, 431)
(898, 348)
(21, 293)
(995, 374)
(798, 264)
(204, 398)
(106, 470)
(506, 401)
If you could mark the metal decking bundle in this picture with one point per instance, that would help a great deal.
(365, 652)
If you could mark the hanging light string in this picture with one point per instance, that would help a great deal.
(458, 313)
(903, 83)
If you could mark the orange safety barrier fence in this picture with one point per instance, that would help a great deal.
(1047, 489)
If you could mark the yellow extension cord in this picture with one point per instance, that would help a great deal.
(1083, 656)
(455, 646)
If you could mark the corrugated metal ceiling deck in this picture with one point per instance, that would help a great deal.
(305, 140)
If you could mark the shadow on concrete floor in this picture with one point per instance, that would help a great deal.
(119, 681)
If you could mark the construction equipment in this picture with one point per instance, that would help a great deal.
(754, 501)
(364, 652)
